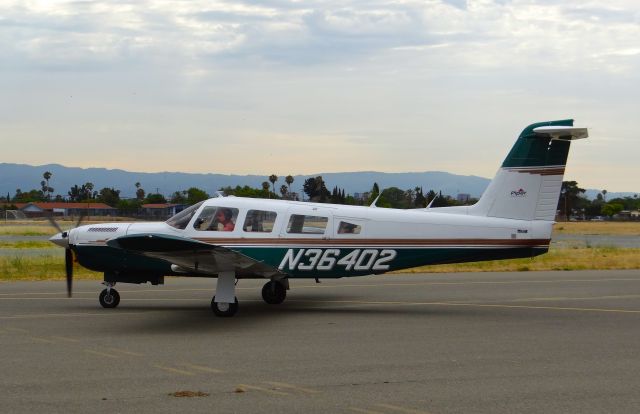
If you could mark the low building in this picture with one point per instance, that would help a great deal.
(161, 211)
(42, 209)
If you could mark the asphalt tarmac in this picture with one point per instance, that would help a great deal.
(528, 342)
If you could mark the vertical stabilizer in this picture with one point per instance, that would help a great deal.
(527, 185)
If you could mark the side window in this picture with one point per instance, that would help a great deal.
(216, 219)
(349, 228)
(259, 221)
(300, 224)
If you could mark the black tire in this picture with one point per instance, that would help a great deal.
(274, 293)
(109, 299)
(224, 310)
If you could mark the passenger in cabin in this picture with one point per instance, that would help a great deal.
(346, 228)
(224, 216)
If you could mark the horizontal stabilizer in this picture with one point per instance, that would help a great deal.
(562, 132)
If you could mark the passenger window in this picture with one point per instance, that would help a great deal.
(300, 224)
(259, 221)
(348, 228)
(216, 219)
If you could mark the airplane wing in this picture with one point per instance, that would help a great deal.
(192, 256)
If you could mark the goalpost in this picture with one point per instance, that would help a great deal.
(14, 215)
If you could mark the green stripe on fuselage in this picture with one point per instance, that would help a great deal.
(113, 260)
(312, 262)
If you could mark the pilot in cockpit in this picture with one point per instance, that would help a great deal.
(224, 217)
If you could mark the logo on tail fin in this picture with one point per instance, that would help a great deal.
(519, 193)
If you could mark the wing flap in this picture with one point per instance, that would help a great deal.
(195, 256)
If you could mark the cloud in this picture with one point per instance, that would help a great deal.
(388, 78)
(479, 33)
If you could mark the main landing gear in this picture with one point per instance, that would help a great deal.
(225, 303)
(109, 297)
(274, 292)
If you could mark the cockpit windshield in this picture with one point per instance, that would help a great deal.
(180, 220)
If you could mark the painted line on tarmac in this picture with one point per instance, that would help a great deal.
(93, 299)
(16, 329)
(70, 315)
(461, 304)
(125, 352)
(43, 340)
(203, 368)
(364, 411)
(316, 286)
(174, 370)
(60, 298)
(401, 409)
(65, 339)
(101, 354)
(265, 390)
(576, 298)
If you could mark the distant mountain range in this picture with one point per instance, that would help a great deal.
(27, 177)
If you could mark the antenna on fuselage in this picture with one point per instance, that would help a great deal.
(432, 200)
(375, 201)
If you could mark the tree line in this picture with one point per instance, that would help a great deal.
(572, 202)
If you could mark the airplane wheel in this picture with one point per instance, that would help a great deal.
(224, 309)
(274, 292)
(109, 299)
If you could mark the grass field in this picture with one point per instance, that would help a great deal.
(17, 267)
(631, 228)
(49, 267)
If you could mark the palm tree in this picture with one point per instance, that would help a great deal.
(273, 178)
(284, 190)
(89, 187)
(289, 180)
(139, 191)
(47, 175)
(265, 187)
(604, 195)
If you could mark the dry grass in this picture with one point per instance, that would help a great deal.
(598, 227)
(27, 230)
(597, 258)
(48, 267)
(30, 244)
(43, 228)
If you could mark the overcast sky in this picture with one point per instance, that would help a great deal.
(297, 87)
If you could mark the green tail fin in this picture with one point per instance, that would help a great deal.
(531, 150)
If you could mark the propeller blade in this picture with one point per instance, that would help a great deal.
(82, 216)
(54, 224)
(68, 264)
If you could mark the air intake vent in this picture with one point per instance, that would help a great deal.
(103, 229)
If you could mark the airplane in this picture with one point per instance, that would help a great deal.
(232, 238)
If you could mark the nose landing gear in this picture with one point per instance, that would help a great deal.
(109, 297)
(224, 309)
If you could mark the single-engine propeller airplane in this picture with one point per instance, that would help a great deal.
(232, 238)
